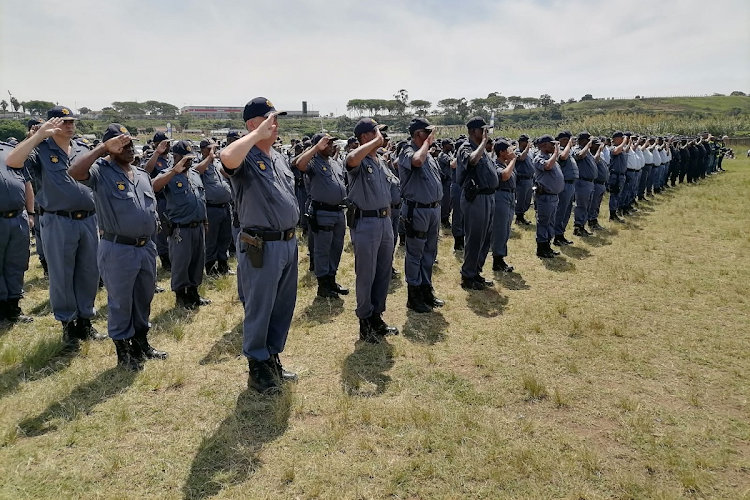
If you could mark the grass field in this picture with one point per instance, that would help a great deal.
(619, 370)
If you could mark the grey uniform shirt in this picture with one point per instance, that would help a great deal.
(524, 168)
(56, 189)
(162, 163)
(602, 171)
(586, 165)
(217, 187)
(444, 161)
(618, 163)
(511, 182)
(369, 184)
(420, 184)
(264, 188)
(186, 198)
(12, 183)
(552, 180)
(326, 180)
(569, 167)
(123, 207)
(486, 173)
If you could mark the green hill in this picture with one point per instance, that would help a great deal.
(710, 105)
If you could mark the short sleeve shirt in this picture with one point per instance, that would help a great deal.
(486, 172)
(186, 198)
(326, 180)
(216, 186)
(552, 180)
(511, 182)
(12, 183)
(586, 165)
(420, 184)
(369, 184)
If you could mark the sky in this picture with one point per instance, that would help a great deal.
(93, 52)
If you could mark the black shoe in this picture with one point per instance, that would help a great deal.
(184, 300)
(196, 298)
(614, 217)
(415, 302)
(458, 243)
(581, 232)
(395, 274)
(498, 264)
(446, 223)
(11, 311)
(44, 268)
(367, 332)
(594, 224)
(125, 356)
(521, 220)
(401, 239)
(481, 279)
(312, 264)
(223, 268)
(338, 288)
(86, 330)
(70, 338)
(281, 373)
(472, 284)
(142, 350)
(158, 289)
(262, 376)
(542, 252)
(211, 268)
(559, 241)
(166, 264)
(324, 288)
(551, 250)
(380, 327)
(428, 295)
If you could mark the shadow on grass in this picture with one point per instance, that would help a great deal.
(38, 282)
(559, 265)
(79, 402)
(322, 310)
(231, 454)
(363, 372)
(426, 328)
(41, 309)
(228, 347)
(396, 283)
(575, 252)
(487, 303)
(45, 359)
(511, 281)
(170, 320)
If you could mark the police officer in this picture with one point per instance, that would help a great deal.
(186, 215)
(267, 254)
(584, 185)
(569, 169)
(548, 184)
(600, 182)
(371, 231)
(444, 160)
(477, 175)
(618, 167)
(16, 215)
(32, 125)
(524, 179)
(159, 161)
(457, 220)
(218, 198)
(68, 220)
(126, 206)
(505, 204)
(396, 202)
(646, 173)
(422, 192)
(327, 224)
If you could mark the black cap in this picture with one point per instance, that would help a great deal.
(523, 137)
(618, 133)
(476, 122)
(419, 123)
(543, 139)
(628, 133)
(160, 136)
(114, 130)
(351, 140)
(445, 142)
(317, 137)
(182, 148)
(260, 106)
(233, 133)
(367, 125)
(61, 112)
(205, 143)
(34, 121)
(564, 133)
(501, 145)
(584, 135)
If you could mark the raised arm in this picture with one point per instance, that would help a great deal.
(17, 157)
(234, 154)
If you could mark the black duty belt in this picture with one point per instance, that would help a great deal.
(486, 191)
(124, 240)
(633, 170)
(416, 204)
(649, 165)
(76, 215)
(523, 177)
(185, 225)
(585, 179)
(217, 205)
(379, 213)
(507, 190)
(571, 181)
(317, 205)
(285, 235)
(397, 206)
(600, 182)
(11, 214)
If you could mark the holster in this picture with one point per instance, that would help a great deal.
(409, 224)
(312, 219)
(253, 246)
(351, 216)
(471, 190)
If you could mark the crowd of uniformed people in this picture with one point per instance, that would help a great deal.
(101, 215)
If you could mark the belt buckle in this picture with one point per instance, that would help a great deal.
(383, 213)
(11, 214)
(140, 242)
(78, 215)
(289, 234)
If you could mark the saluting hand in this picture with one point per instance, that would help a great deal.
(50, 127)
(323, 143)
(163, 147)
(115, 145)
(182, 164)
(266, 129)
(431, 138)
(379, 136)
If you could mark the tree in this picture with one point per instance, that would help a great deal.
(515, 101)
(587, 97)
(4, 105)
(545, 100)
(496, 102)
(455, 110)
(15, 103)
(185, 120)
(571, 100)
(738, 93)
(12, 128)
(84, 110)
(38, 107)
(530, 102)
(129, 108)
(422, 108)
(402, 96)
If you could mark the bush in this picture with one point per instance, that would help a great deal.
(12, 128)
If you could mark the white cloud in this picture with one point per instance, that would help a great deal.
(90, 53)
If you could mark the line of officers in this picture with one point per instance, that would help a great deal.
(101, 215)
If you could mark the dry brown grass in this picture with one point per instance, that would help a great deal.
(619, 370)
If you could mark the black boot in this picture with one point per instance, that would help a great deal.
(336, 287)
(183, 299)
(211, 268)
(262, 376)
(312, 263)
(70, 338)
(581, 232)
(401, 239)
(381, 327)
(44, 268)
(367, 332)
(166, 264)
(12, 312)
(196, 298)
(614, 217)
(446, 223)
(499, 264)
(551, 250)
(415, 302)
(324, 288)
(428, 295)
(142, 350)
(458, 243)
(125, 357)
(594, 224)
(541, 251)
(521, 220)
(481, 279)
(86, 330)
(222, 267)
(471, 284)
(281, 373)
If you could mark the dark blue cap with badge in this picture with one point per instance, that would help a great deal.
(233, 134)
(160, 136)
(114, 130)
(61, 112)
(205, 143)
(419, 123)
(501, 145)
(182, 148)
(367, 125)
(523, 137)
(618, 133)
(584, 135)
(543, 139)
(564, 133)
(317, 137)
(34, 121)
(476, 122)
(260, 106)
